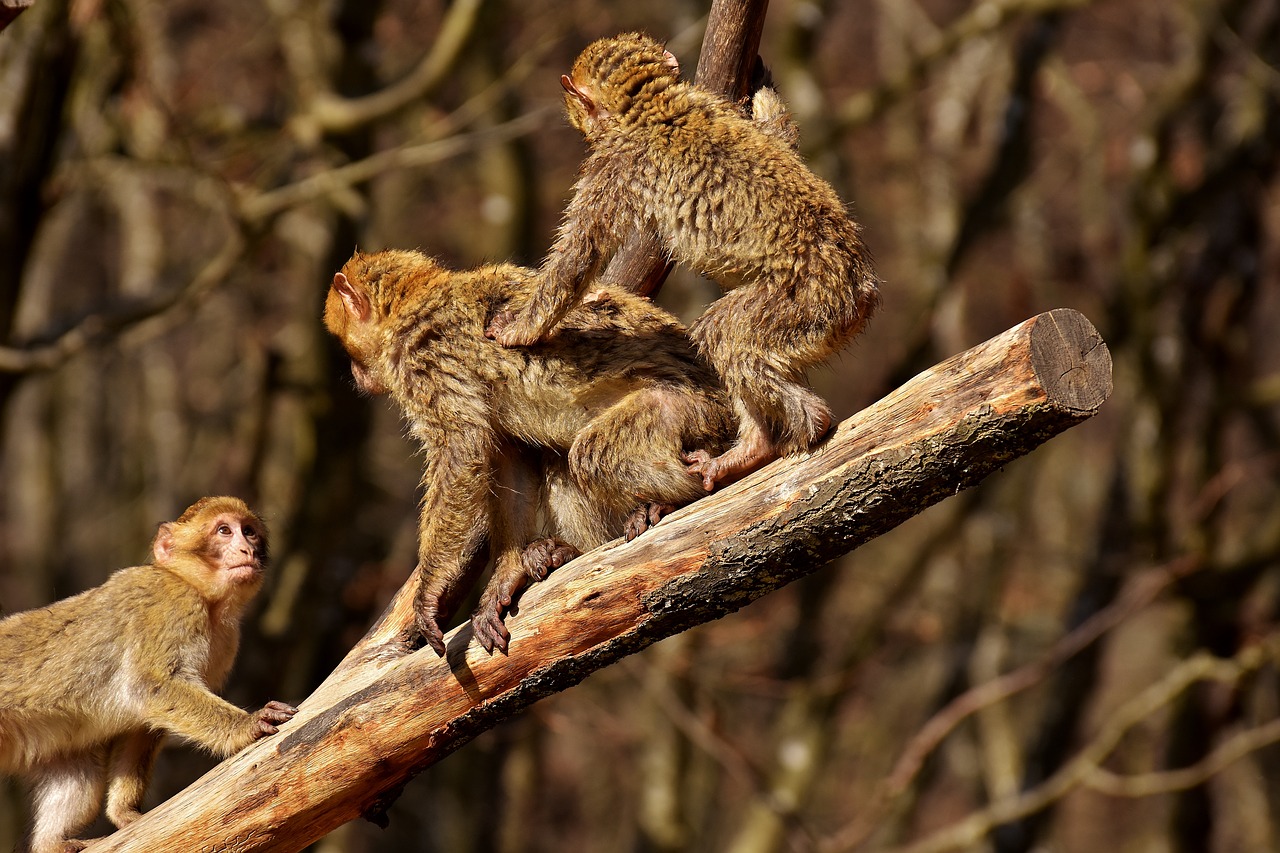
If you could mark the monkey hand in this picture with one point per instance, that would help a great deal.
(645, 516)
(506, 329)
(427, 617)
(271, 715)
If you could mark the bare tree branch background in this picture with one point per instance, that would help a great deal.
(1080, 653)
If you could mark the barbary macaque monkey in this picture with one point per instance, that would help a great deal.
(588, 428)
(91, 684)
(730, 197)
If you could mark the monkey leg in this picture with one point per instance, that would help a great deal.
(760, 350)
(66, 795)
(439, 591)
(630, 454)
(128, 771)
(517, 495)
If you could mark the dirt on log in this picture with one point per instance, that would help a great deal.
(390, 710)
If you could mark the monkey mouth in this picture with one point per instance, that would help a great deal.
(244, 571)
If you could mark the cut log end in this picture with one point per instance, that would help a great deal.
(1071, 361)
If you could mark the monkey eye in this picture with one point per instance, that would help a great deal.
(250, 532)
(224, 529)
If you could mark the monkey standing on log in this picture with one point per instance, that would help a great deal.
(91, 684)
(588, 428)
(730, 197)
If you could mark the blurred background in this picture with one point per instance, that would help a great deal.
(179, 180)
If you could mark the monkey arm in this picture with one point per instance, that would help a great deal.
(454, 520)
(187, 708)
(586, 240)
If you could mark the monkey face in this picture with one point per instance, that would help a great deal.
(349, 315)
(236, 548)
(364, 379)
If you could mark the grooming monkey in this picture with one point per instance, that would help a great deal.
(587, 429)
(91, 684)
(730, 197)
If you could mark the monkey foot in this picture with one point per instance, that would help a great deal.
(543, 555)
(536, 562)
(486, 621)
(508, 331)
(645, 516)
(730, 466)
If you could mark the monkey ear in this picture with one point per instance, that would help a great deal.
(353, 299)
(162, 547)
(669, 59)
(572, 88)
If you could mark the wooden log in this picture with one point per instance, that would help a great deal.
(389, 710)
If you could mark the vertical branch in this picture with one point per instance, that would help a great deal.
(728, 54)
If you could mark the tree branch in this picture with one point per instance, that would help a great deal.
(1084, 767)
(1140, 591)
(390, 710)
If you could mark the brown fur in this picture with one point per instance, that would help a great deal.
(585, 428)
(89, 685)
(729, 196)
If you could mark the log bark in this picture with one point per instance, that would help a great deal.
(729, 50)
(390, 710)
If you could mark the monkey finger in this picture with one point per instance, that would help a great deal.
(490, 631)
(701, 465)
(277, 712)
(645, 516)
(563, 553)
(431, 633)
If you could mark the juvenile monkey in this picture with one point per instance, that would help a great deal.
(588, 428)
(729, 196)
(90, 685)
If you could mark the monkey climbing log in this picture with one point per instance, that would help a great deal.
(390, 710)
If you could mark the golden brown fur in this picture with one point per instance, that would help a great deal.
(585, 429)
(89, 685)
(730, 197)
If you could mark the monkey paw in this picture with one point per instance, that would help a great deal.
(543, 555)
(732, 465)
(507, 330)
(704, 466)
(486, 622)
(645, 516)
(271, 715)
(427, 619)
